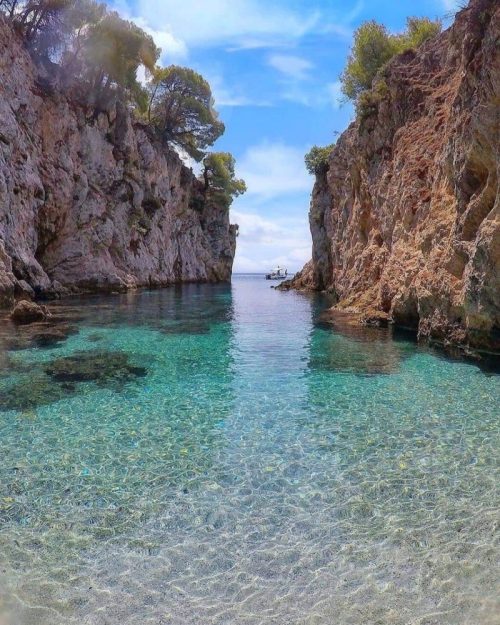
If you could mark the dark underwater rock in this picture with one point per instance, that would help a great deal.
(194, 326)
(59, 379)
(38, 334)
(95, 337)
(33, 391)
(94, 366)
(53, 336)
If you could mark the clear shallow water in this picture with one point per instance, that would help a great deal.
(252, 466)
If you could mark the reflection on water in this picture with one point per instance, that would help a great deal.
(344, 347)
(218, 455)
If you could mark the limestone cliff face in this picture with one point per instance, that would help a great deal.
(94, 204)
(406, 221)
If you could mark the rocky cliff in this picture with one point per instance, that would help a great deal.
(94, 204)
(406, 221)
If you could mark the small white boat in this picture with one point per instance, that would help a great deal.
(277, 274)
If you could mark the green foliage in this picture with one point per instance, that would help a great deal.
(368, 101)
(39, 16)
(181, 110)
(419, 30)
(374, 46)
(36, 16)
(221, 185)
(317, 159)
(95, 55)
(40, 21)
(79, 21)
(91, 46)
(140, 97)
(112, 53)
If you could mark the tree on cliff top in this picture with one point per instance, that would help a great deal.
(41, 22)
(112, 53)
(95, 55)
(181, 110)
(317, 159)
(374, 46)
(418, 30)
(86, 45)
(221, 185)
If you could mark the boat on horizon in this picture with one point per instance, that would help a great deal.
(280, 273)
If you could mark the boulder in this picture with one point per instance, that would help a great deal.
(28, 312)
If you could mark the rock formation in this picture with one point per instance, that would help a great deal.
(406, 220)
(94, 204)
(28, 312)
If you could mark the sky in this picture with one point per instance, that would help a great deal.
(274, 68)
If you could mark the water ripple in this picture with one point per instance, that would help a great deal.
(263, 469)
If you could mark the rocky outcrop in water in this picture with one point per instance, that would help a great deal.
(90, 204)
(25, 312)
(406, 221)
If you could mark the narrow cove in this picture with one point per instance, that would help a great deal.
(237, 458)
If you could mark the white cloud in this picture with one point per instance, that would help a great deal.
(293, 261)
(355, 12)
(291, 66)
(257, 43)
(314, 96)
(340, 30)
(342, 26)
(295, 92)
(273, 215)
(297, 86)
(142, 76)
(227, 96)
(264, 243)
(172, 47)
(254, 228)
(180, 25)
(272, 169)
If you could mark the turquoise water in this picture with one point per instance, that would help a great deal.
(227, 459)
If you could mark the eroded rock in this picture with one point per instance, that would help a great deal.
(406, 221)
(28, 312)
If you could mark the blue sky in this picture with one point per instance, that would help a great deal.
(274, 67)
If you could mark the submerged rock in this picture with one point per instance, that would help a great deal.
(7, 364)
(28, 312)
(94, 366)
(40, 385)
(44, 334)
(95, 337)
(31, 392)
(53, 336)
(186, 327)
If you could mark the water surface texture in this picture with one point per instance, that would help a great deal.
(215, 455)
